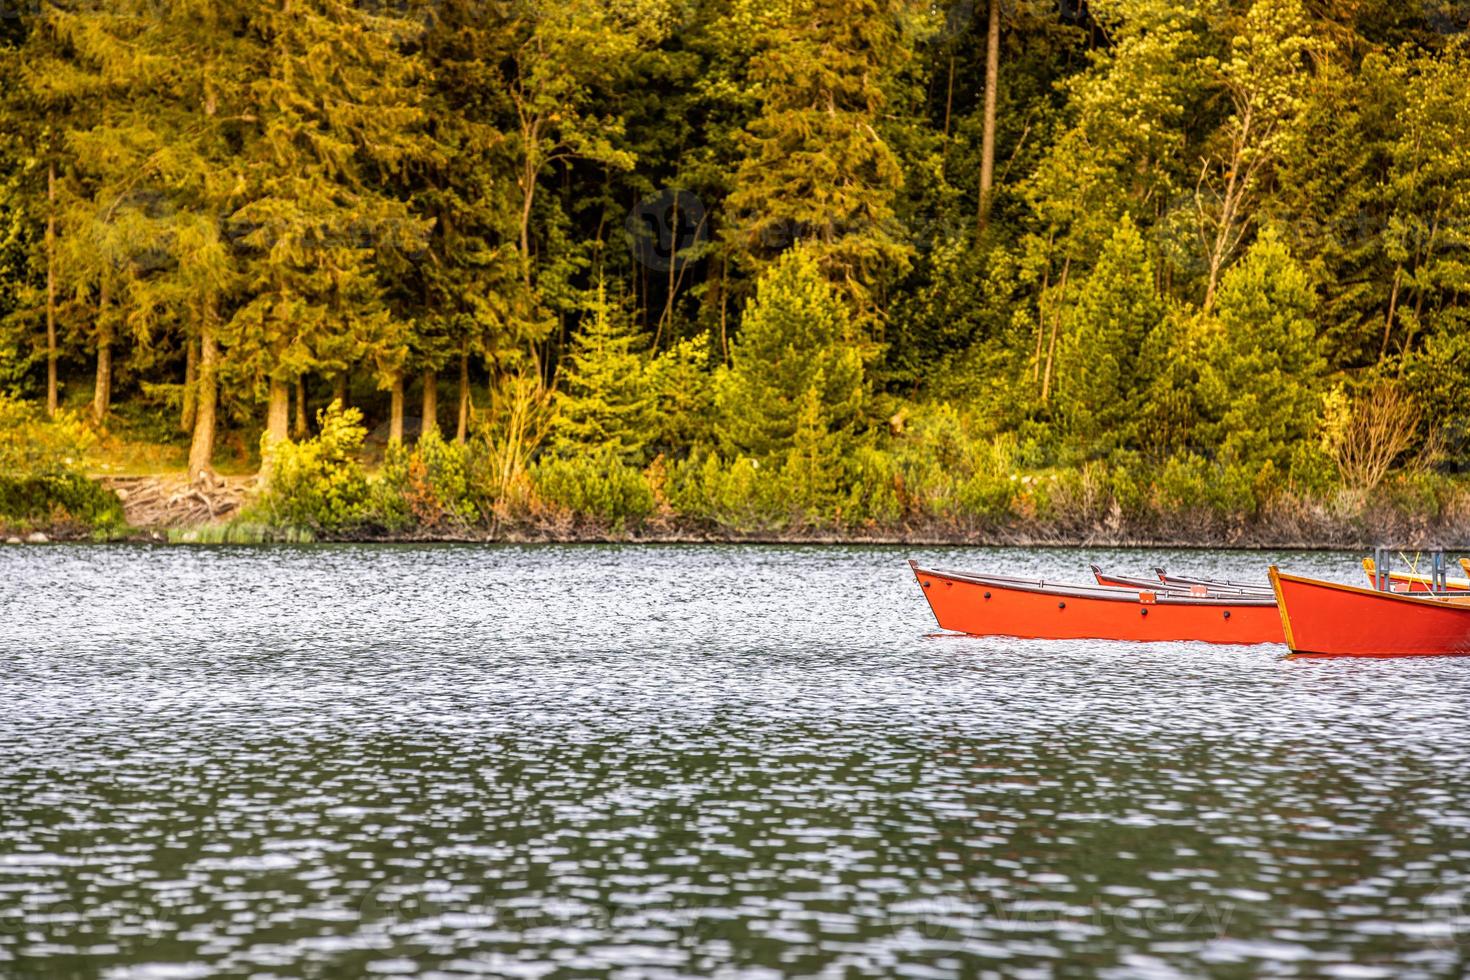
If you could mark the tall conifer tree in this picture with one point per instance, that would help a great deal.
(337, 111)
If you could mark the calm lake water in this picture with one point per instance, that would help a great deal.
(674, 761)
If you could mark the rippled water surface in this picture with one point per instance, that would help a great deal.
(660, 761)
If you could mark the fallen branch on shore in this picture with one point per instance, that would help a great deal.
(175, 502)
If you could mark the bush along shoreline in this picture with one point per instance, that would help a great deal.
(788, 440)
(438, 490)
(42, 490)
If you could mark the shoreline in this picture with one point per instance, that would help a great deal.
(248, 535)
(170, 510)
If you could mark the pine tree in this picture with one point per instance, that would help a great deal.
(604, 402)
(469, 298)
(1100, 370)
(319, 226)
(812, 465)
(58, 95)
(796, 337)
(566, 55)
(1262, 382)
(1265, 76)
(817, 167)
(98, 76)
(1124, 144)
(680, 382)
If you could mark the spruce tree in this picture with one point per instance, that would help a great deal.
(817, 166)
(604, 402)
(1100, 368)
(336, 113)
(468, 295)
(796, 337)
(681, 384)
(1262, 383)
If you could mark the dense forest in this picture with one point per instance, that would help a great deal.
(780, 264)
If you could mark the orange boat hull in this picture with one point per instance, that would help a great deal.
(1332, 620)
(998, 610)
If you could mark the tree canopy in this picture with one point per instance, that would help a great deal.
(1196, 222)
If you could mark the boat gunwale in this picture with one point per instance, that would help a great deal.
(1173, 584)
(1186, 581)
(1441, 599)
(1415, 578)
(1101, 593)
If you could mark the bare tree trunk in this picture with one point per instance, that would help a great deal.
(51, 397)
(201, 448)
(302, 428)
(102, 389)
(724, 309)
(339, 389)
(430, 422)
(673, 284)
(191, 382)
(102, 392)
(1040, 323)
(462, 429)
(395, 410)
(1393, 305)
(528, 198)
(1237, 183)
(987, 139)
(278, 412)
(277, 424)
(949, 97)
(1056, 325)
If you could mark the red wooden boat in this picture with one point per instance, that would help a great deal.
(996, 605)
(1183, 584)
(1334, 620)
(1411, 582)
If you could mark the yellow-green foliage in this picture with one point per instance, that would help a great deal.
(318, 483)
(598, 487)
(743, 495)
(435, 484)
(41, 484)
(32, 444)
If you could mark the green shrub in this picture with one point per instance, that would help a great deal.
(32, 444)
(599, 487)
(388, 495)
(985, 496)
(743, 495)
(1183, 484)
(1129, 482)
(1080, 494)
(41, 483)
(1244, 488)
(318, 483)
(1313, 471)
(873, 484)
(434, 484)
(1422, 493)
(58, 500)
(987, 493)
